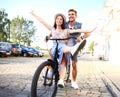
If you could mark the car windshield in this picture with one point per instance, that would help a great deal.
(2, 44)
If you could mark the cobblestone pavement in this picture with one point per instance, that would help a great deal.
(16, 76)
(89, 81)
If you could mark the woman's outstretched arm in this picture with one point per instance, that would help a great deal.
(41, 20)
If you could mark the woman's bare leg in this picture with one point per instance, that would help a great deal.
(62, 70)
(68, 49)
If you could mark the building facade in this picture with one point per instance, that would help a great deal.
(111, 29)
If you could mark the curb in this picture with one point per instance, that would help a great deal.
(111, 85)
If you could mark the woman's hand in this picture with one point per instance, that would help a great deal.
(32, 12)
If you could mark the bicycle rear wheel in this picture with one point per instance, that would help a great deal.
(67, 76)
(42, 86)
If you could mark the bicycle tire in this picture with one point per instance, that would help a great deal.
(43, 90)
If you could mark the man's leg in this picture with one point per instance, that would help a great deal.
(74, 70)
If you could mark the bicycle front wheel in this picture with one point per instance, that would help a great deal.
(42, 84)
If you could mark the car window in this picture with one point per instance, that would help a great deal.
(2, 44)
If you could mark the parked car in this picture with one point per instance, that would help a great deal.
(37, 52)
(16, 50)
(26, 51)
(5, 49)
(40, 53)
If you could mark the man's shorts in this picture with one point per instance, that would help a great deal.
(74, 58)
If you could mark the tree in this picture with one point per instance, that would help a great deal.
(4, 25)
(91, 47)
(22, 31)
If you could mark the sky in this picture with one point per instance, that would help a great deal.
(88, 11)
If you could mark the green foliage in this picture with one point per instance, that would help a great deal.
(91, 47)
(46, 54)
(18, 30)
(4, 25)
(21, 31)
(37, 47)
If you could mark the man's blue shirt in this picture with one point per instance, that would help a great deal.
(77, 25)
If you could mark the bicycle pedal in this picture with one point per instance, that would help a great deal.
(46, 77)
(68, 81)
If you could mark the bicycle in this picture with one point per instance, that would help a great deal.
(42, 86)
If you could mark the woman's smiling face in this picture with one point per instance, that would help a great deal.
(59, 20)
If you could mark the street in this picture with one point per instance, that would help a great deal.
(16, 76)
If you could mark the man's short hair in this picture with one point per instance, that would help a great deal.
(73, 11)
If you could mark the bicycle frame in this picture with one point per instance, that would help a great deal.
(41, 79)
(42, 82)
(55, 71)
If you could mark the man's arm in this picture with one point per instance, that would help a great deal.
(82, 30)
(41, 20)
(87, 33)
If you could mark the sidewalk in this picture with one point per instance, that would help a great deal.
(89, 81)
(111, 76)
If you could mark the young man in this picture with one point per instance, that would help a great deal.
(73, 24)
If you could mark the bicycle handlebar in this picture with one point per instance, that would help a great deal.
(47, 38)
